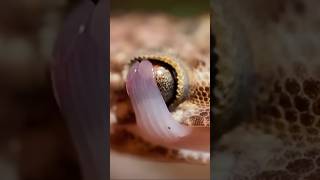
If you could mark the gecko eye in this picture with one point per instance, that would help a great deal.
(166, 80)
(171, 78)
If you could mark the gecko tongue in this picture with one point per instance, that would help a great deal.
(155, 122)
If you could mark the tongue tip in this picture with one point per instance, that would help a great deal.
(139, 70)
(146, 70)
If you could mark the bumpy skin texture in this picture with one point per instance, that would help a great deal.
(195, 110)
(184, 39)
(279, 139)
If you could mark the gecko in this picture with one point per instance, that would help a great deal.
(268, 67)
(178, 52)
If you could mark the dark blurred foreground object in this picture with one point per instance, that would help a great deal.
(34, 142)
(79, 74)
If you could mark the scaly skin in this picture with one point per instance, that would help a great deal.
(135, 35)
(279, 136)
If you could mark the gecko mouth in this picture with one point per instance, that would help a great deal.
(155, 122)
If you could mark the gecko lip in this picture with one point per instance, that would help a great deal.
(153, 118)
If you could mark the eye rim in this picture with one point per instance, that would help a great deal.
(181, 75)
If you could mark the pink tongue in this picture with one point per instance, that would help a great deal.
(153, 118)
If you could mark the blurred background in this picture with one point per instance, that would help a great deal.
(34, 141)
